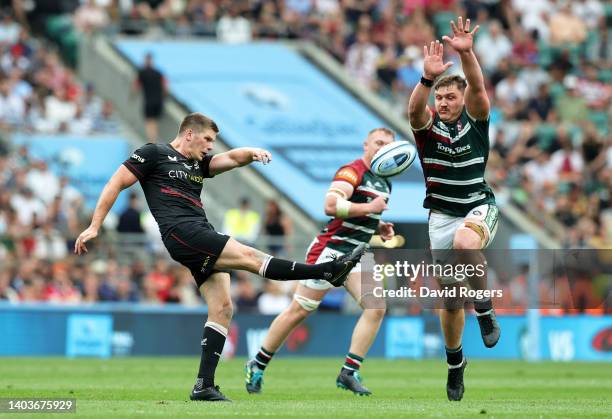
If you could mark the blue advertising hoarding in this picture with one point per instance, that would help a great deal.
(89, 335)
(404, 337)
(267, 95)
(128, 329)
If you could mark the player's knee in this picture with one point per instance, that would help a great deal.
(249, 259)
(466, 242)
(296, 313)
(305, 304)
(469, 236)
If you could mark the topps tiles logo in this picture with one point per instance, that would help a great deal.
(444, 149)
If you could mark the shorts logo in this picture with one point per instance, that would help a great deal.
(205, 264)
(476, 212)
(491, 217)
(138, 158)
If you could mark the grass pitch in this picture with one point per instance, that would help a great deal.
(159, 387)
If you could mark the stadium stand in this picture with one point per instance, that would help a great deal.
(550, 89)
(547, 66)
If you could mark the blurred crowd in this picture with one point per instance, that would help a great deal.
(38, 93)
(547, 66)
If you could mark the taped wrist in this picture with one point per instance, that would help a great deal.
(342, 207)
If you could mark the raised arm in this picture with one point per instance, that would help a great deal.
(238, 157)
(476, 100)
(433, 67)
(121, 180)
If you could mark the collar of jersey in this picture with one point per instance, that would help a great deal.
(177, 152)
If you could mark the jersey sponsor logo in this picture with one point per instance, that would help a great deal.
(180, 174)
(177, 174)
(453, 151)
(172, 158)
(348, 174)
(138, 158)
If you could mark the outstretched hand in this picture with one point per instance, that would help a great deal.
(463, 39)
(264, 156)
(433, 61)
(87, 234)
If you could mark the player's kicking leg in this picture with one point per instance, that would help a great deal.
(306, 300)
(238, 256)
(216, 292)
(364, 333)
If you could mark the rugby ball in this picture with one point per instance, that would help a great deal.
(393, 158)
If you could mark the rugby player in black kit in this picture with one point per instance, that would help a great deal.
(171, 176)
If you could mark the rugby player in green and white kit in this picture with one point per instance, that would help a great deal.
(453, 146)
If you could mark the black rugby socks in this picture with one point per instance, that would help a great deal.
(212, 346)
(454, 357)
(286, 270)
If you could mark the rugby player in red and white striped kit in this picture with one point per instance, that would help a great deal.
(356, 199)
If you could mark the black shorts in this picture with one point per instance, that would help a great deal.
(196, 246)
(153, 110)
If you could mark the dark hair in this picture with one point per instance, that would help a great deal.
(197, 122)
(383, 130)
(446, 81)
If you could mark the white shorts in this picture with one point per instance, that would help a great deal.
(442, 227)
(325, 256)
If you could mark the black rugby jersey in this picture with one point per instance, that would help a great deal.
(172, 184)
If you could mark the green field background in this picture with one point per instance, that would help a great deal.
(159, 387)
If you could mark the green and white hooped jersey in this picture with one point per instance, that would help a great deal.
(343, 235)
(453, 157)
